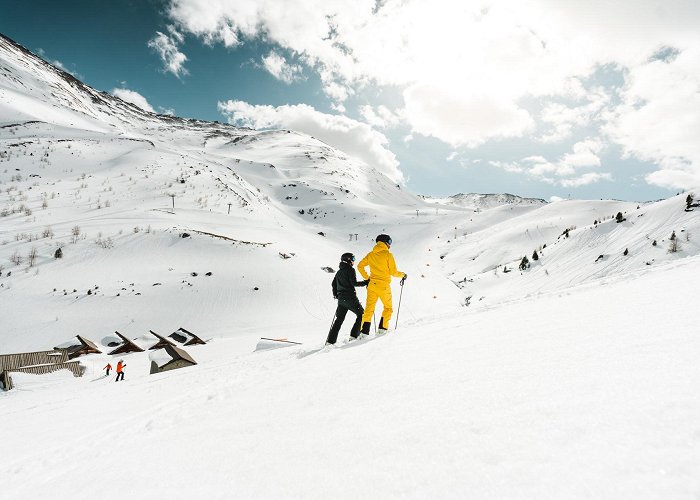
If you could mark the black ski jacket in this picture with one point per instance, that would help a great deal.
(345, 281)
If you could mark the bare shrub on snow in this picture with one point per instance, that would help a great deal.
(31, 256)
(16, 258)
(105, 243)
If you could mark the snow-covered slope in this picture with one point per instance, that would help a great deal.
(79, 161)
(574, 378)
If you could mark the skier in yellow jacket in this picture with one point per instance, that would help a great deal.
(381, 268)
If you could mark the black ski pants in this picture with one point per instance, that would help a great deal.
(346, 304)
(120, 374)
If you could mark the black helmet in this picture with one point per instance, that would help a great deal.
(385, 238)
(347, 257)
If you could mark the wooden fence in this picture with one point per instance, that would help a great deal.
(12, 361)
(37, 363)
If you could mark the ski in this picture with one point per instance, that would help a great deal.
(265, 344)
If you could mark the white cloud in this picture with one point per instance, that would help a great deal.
(510, 47)
(508, 167)
(355, 138)
(462, 119)
(563, 119)
(277, 66)
(380, 117)
(166, 46)
(134, 98)
(585, 154)
(336, 91)
(466, 68)
(659, 119)
(585, 179)
(564, 171)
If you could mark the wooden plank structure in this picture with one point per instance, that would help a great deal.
(12, 361)
(84, 346)
(162, 342)
(37, 363)
(126, 346)
(186, 337)
(179, 358)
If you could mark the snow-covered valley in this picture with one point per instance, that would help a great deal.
(574, 377)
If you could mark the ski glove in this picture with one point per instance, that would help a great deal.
(365, 282)
(403, 279)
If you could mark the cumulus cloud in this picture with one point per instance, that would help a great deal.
(467, 70)
(659, 118)
(511, 167)
(167, 47)
(462, 119)
(585, 179)
(562, 119)
(277, 66)
(134, 98)
(380, 117)
(585, 154)
(353, 137)
(566, 170)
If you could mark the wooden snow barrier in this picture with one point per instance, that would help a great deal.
(37, 363)
(170, 357)
(186, 337)
(126, 346)
(162, 342)
(84, 346)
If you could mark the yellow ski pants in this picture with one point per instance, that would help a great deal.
(378, 290)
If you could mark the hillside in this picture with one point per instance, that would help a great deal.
(573, 378)
(479, 202)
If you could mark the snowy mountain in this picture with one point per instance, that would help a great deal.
(477, 201)
(575, 377)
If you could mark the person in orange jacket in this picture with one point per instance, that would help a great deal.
(108, 368)
(382, 267)
(120, 370)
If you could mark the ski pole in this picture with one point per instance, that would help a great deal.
(332, 322)
(374, 317)
(398, 309)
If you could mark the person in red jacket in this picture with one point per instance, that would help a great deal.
(120, 370)
(108, 368)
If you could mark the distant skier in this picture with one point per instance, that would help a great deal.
(120, 370)
(343, 285)
(382, 267)
(108, 368)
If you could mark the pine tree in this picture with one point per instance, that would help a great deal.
(535, 256)
(619, 218)
(524, 264)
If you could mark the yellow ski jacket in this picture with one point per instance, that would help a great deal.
(382, 265)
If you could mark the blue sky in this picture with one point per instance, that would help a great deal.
(576, 99)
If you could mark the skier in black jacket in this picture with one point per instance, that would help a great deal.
(344, 284)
